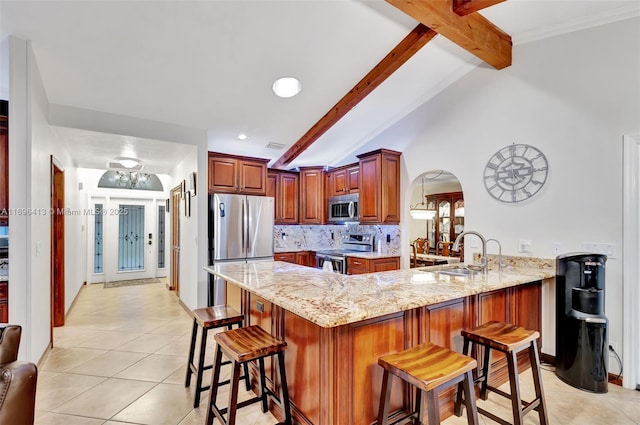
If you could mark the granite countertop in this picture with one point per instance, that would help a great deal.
(329, 299)
(369, 255)
(297, 249)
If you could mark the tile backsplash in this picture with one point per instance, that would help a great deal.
(325, 237)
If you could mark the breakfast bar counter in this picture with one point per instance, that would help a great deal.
(336, 326)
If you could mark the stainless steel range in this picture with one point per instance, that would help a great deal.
(351, 242)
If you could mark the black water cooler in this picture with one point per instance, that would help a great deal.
(582, 345)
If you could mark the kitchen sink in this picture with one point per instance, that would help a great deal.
(459, 271)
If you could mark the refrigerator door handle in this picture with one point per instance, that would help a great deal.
(248, 221)
(244, 226)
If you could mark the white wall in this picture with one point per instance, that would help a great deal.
(573, 97)
(31, 144)
(192, 238)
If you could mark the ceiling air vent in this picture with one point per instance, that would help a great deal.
(115, 165)
(276, 146)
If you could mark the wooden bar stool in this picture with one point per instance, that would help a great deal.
(209, 318)
(429, 368)
(241, 346)
(508, 339)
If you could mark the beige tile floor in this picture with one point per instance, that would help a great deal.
(121, 359)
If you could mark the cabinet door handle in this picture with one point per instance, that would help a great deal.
(357, 263)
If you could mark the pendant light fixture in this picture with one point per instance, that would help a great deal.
(420, 211)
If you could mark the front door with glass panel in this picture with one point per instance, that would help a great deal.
(124, 240)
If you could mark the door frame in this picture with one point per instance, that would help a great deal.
(175, 197)
(57, 283)
(630, 268)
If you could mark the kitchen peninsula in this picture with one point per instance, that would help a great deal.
(336, 326)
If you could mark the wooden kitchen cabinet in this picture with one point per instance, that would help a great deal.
(379, 200)
(306, 258)
(448, 222)
(4, 302)
(357, 265)
(312, 199)
(235, 174)
(284, 187)
(344, 180)
(302, 258)
(4, 163)
(287, 257)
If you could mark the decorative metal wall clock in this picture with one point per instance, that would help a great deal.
(515, 173)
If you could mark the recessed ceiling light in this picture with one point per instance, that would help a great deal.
(286, 87)
(242, 136)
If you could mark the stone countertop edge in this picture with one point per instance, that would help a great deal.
(365, 255)
(329, 299)
(370, 255)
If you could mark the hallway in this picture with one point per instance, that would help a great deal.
(121, 359)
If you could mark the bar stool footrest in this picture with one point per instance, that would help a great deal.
(492, 416)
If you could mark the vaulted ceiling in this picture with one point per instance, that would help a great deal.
(210, 64)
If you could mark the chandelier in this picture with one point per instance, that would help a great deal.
(420, 211)
(119, 179)
(133, 179)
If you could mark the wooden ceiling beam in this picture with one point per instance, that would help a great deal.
(465, 7)
(413, 42)
(472, 32)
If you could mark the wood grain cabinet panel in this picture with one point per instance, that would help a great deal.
(353, 179)
(289, 257)
(235, 174)
(312, 199)
(4, 166)
(343, 180)
(372, 265)
(333, 373)
(379, 187)
(283, 186)
(362, 344)
(306, 258)
(302, 258)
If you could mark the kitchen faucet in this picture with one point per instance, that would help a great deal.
(499, 253)
(483, 259)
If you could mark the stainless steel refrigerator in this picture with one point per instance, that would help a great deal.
(240, 229)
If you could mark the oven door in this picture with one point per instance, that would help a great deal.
(334, 263)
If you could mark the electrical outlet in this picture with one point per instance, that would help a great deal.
(555, 248)
(608, 249)
(524, 245)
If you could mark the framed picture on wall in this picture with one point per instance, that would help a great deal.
(192, 183)
(187, 205)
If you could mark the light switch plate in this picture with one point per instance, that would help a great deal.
(525, 245)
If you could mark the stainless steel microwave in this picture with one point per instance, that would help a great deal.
(343, 208)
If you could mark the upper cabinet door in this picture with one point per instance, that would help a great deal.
(223, 175)
(252, 178)
(312, 195)
(228, 174)
(379, 200)
(353, 177)
(288, 197)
